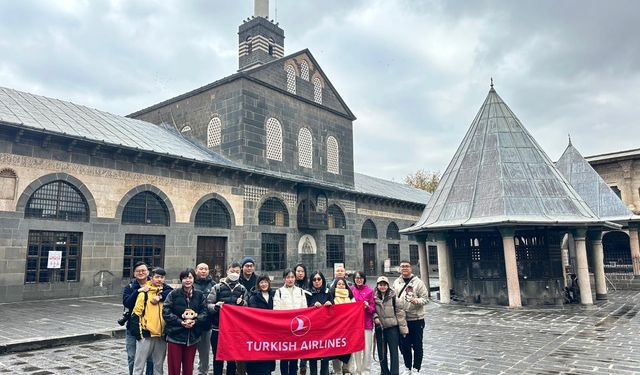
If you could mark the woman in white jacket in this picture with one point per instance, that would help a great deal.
(289, 297)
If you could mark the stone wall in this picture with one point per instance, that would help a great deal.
(625, 175)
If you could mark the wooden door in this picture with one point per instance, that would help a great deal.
(369, 258)
(212, 251)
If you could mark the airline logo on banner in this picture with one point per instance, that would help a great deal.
(257, 334)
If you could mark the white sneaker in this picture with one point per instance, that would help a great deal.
(407, 371)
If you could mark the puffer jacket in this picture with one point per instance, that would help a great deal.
(147, 322)
(227, 292)
(415, 289)
(365, 293)
(287, 298)
(204, 285)
(389, 315)
(172, 311)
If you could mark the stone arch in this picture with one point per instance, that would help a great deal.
(142, 188)
(393, 232)
(273, 196)
(60, 176)
(208, 197)
(369, 230)
(617, 251)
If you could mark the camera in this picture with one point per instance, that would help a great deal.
(125, 317)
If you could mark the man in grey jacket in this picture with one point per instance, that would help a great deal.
(412, 295)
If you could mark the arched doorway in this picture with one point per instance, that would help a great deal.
(617, 253)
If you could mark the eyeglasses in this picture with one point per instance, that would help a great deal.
(317, 279)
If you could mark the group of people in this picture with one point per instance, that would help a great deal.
(175, 323)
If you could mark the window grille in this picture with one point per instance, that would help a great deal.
(335, 249)
(291, 79)
(317, 90)
(146, 208)
(274, 252)
(213, 214)
(273, 212)
(369, 230)
(39, 245)
(142, 248)
(414, 258)
(304, 70)
(433, 255)
(333, 156)
(478, 256)
(617, 254)
(394, 254)
(533, 257)
(336, 218)
(305, 148)
(393, 232)
(321, 200)
(274, 139)
(57, 200)
(214, 132)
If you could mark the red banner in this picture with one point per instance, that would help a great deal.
(257, 334)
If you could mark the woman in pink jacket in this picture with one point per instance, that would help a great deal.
(360, 363)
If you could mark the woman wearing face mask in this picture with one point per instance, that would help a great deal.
(261, 297)
(230, 291)
(289, 297)
(319, 296)
(341, 293)
(360, 363)
(183, 333)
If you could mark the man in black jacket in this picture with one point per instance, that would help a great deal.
(204, 283)
(248, 276)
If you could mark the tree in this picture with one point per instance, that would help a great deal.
(425, 180)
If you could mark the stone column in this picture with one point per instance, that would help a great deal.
(511, 267)
(598, 265)
(423, 256)
(634, 245)
(582, 267)
(444, 267)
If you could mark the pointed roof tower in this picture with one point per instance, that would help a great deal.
(592, 188)
(500, 176)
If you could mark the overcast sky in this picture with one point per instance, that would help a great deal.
(414, 72)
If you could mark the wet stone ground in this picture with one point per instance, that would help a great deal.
(458, 340)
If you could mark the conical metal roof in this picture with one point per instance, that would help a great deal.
(500, 176)
(591, 187)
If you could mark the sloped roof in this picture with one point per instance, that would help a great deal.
(611, 156)
(77, 121)
(388, 189)
(500, 176)
(591, 187)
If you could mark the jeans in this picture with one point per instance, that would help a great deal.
(413, 342)
(130, 345)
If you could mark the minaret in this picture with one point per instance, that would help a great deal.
(260, 40)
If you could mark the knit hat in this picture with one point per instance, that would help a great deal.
(382, 279)
(248, 260)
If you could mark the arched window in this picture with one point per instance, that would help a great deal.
(185, 129)
(274, 139)
(291, 79)
(249, 44)
(57, 200)
(213, 214)
(271, 43)
(273, 212)
(392, 231)
(146, 208)
(369, 230)
(214, 132)
(305, 148)
(333, 155)
(317, 90)
(304, 70)
(335, 218)
(8, 183)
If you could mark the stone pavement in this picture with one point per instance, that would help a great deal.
(604, 339)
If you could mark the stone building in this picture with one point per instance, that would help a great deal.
(621, 171)
(499, 216)
(259, 163)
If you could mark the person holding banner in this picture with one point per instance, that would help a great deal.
(204, 283)
(318, 298)
(261, 297)
(289, 297)
(341, 293)
(185, 314)
(390, 324)
(302, 281)
(360, 362)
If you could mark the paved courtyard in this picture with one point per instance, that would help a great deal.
(604, 339)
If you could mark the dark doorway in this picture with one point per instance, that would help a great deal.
(212, 251)
(617, 252)
(369, 258)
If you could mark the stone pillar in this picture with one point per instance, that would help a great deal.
(582, 267)
(598, 265)
(511, 267)
(634, 245)
(444, 268)
(423, 255)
